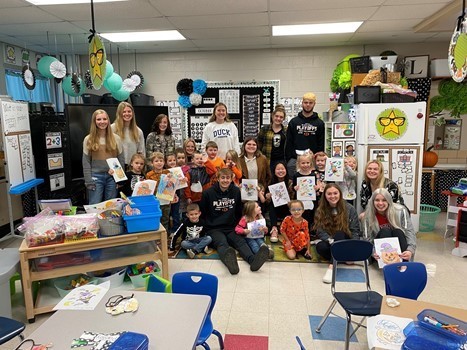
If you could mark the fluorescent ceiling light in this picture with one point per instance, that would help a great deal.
(161, 35)
(66, 2)
(312, 29)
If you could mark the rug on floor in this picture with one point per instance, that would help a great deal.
(333, 328)
(245, 342)
(279, 254)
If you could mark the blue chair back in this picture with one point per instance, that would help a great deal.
(351, 250)
(406, 283)
(196, 283)
(158, 284)
(10, 328)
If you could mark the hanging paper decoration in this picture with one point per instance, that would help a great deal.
(69, 86)
(199, 86)
(44, 66)
(109, 70)
(457, 54)
(184, 101)
(57, 69)
(121, 95)
(114, 83)
(129, 85)
(137, 78)
(185, 87)
(29, 79)
(196, 99)
(75, 83)
(97, 61)
(87, 80)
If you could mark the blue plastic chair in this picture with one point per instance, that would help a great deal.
(406, 283)
(361, 303)
(9, 329)
(200, 284)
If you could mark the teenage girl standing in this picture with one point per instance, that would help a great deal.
(99, 145)
(161, 138)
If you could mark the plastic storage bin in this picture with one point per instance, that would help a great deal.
(131, 341)
(63, 284)
(112, 225)
(115, 276)
(428, 216)
(147, 204)
(139, 279)
(150, 217)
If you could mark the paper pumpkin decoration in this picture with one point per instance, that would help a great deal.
(44, 66)
(29, 79)
(137, 78)
(67, 86)
(129, 85)
(109, 70)
(97, 61)
(57, 69)
(121, 95)
(114, 83)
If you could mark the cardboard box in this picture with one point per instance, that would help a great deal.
(439, 68)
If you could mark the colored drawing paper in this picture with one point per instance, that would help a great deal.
(334, 169)
(388, 250)
(83, 298)
(144, 188)
(249, 190)
(178, 173)
(111, 204)
(255, 228)
(306, 188)
(386, 332)
(279, 194)
(167, 187)
(119, 173)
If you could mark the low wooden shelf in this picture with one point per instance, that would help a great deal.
(28, 254)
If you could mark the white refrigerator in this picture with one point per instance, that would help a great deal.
(394, 134)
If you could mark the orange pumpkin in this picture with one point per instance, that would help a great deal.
(429, 158)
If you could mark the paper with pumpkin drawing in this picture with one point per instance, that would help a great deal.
(388, 250)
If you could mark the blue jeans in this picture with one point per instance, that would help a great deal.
(197, 244)
(254, 244)
(106, 188)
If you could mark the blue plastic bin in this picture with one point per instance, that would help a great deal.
(143, 222)
(131, 341)
(147, 204)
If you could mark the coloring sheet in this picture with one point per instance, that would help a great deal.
(388, 250)
(111, 204)
(255, 228)
(306, 190)
(386, 332)
(83, 298)
(144, 188)
(178, 173)
(249, 190)
(119, 173)
(334, 169)
(279, 194)
(167, 187)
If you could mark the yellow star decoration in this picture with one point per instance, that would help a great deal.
(96, 70)
(391, 126)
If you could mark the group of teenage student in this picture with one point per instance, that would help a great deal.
(210, 211)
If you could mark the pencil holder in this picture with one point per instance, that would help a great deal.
(111, 223)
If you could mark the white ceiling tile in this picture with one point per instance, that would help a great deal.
(391, 36)
(406, 11)
(389, 25)
(225, 43)
(419, 2)
(224, 20)
(319, 16)
(218, 33)
(113, 25)
(30, 14)
(305, 39)
(13, 3)
(39, 28)
(208, 7)
(299, 5)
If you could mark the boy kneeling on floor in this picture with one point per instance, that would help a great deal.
(193, 233)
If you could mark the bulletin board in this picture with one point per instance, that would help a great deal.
(17, 142)
(249, 105)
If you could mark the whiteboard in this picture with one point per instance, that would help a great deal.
(17, 142)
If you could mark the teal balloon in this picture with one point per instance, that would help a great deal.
(121, 95)
(114, 83)
(68, 88)
(109, 70)
(44, 66)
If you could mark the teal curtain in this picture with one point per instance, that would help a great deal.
(18, 92)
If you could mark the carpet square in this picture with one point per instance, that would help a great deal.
(245, 342)
(350, 275)
(333, 329)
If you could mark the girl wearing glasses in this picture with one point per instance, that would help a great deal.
(294, 232)
(335, 220)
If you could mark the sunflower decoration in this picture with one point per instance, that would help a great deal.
(137, 78)
(29, 79)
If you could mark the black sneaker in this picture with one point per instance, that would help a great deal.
(230, 260)
(260, 258)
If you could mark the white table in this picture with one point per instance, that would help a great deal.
(171, 321)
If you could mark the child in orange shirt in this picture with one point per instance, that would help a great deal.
(214, 163)
(294, 231)
(231, 162)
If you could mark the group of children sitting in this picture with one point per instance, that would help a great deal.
(200, 172)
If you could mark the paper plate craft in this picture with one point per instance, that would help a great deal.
(137, 78)
(97, 61)
(29, 79)
(58, 69)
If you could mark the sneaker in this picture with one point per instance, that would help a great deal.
(328, 276)
(191, 253)
(274, 235)
(271, 253)
(207, 250)
(230, 260)
(260, 258)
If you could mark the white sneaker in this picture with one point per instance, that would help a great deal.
(328, 276)
(207, 250)
(191, 253)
